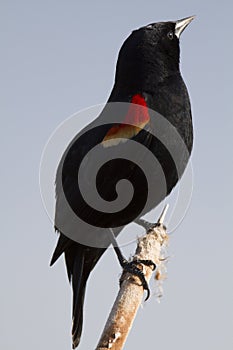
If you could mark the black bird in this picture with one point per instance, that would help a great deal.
(147, 79)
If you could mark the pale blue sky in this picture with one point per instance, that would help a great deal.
(57, 58)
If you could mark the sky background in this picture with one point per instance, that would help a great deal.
(58, 57)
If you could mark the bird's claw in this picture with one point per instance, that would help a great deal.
(132, 268)
(145, 262)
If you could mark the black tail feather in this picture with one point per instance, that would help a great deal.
(80, 260)
(62, 244)
(79, 286)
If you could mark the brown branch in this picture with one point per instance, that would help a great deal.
(130, 295)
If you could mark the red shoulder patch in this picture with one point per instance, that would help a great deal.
(135, 120)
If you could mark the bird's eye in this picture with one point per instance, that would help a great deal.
(170, 35)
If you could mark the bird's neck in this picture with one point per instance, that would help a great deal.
(124, 89)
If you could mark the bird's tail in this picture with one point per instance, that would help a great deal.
(78, 272)
(79, 279)
(80, 260)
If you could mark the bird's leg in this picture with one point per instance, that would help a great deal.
(146, 224)
(131, 266)
(150, 226)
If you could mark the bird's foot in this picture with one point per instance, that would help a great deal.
(146, 224)
(132, 268)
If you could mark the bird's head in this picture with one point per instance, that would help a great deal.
(150, 51)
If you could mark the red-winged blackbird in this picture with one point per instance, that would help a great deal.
(148, 77)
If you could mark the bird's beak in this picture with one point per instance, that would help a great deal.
(182, 24)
